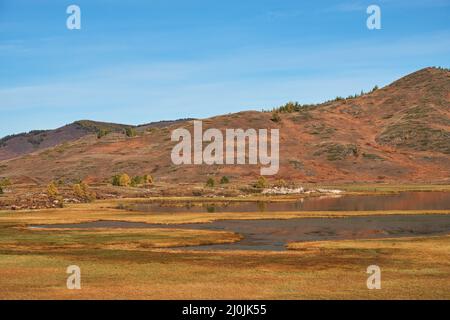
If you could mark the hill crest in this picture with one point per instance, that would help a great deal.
(398, 133)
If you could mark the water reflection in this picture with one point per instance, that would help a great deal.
(273, 234)
(401, 201)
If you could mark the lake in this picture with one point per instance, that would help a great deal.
(400, 201)
(274, 234)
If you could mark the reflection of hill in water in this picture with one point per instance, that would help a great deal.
(401, 201)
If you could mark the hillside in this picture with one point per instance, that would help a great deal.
(399, 133)
(24, 143)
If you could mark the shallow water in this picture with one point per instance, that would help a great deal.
(275, 234)
(401, 201)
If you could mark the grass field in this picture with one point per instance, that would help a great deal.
(139, 264)
(326, 272)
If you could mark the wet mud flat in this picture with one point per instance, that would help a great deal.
(273, 235)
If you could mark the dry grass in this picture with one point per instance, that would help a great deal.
(133, 264)
(408, 271)
(28, 240)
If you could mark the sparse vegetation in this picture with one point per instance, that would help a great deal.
(336, 151)
(5, 182)
(303, 115)
(281, 183)
(261, 183)
(148, 179)
(321, 129)
(275, 117)
(81, 191)
(294, 106)
(121, 180)
(417, 136)
(28, 135)
(288, 107)
(53, 194)
(137, 181)
(224, 180)
(96, 127)
(372, 156)
(52, 190)
(291, 107)
(130, 132)
(102, 132)
(210, 183)
(35, 140)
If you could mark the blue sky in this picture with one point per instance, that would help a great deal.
(141, 61)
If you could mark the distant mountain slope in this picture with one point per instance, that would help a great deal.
(399, 133)
(20, 144)
(24, 143)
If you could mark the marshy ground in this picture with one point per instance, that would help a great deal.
(119, 262)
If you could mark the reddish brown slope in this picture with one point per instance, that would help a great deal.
(400, 133)
(25, 143)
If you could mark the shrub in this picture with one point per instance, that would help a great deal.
(289, 107)
(130, 132)
(121, 180)
(141, 180)
(224, 180)
(115, 180)
(275, 117)
(81, 190)
(148, 179)
(52, 190)
(261, 183)
(281, 183)
(137, 181)
(124, 180)
(102, 132)
(77, 190)
(210, 183)
(5, 182)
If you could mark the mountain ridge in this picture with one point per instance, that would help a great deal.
(23, 143)
(398, 133)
